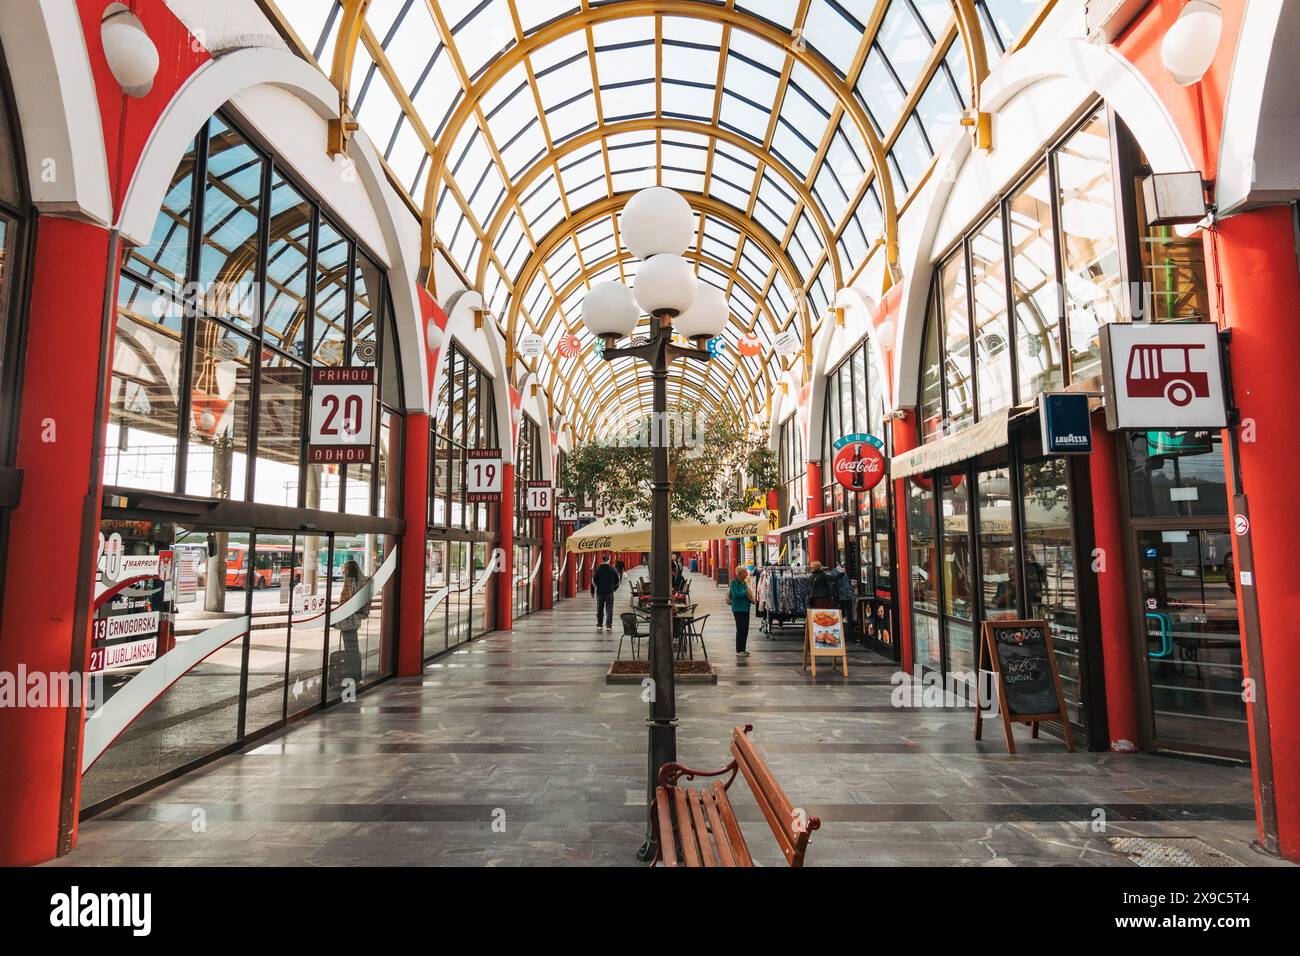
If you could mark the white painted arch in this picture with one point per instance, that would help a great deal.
(1088, 70)
(223, 79)
(58, 110)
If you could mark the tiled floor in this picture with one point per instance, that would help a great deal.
(513, 750)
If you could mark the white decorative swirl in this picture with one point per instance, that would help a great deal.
(108, 723)
(486, 575)
(537, 569)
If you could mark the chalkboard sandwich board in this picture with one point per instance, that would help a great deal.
(1026, 676)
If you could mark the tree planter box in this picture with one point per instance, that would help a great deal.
(684, 672)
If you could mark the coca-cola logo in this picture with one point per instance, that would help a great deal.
(859, 465)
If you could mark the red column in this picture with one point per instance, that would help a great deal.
(570, 575)
(813, 509)
(415, 509)
(547, 575)
(904, 435)
(505, 573)
(1261, 299)
(1112, 588)
(45, 626)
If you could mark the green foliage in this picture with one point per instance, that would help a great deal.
(712, 460)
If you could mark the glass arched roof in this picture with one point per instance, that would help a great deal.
(520, 127)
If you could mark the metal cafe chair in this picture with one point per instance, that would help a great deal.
(689, 630)
(632, 631)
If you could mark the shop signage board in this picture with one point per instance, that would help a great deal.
(1026, 678)
(483, 471)
(859, 462)
(1163, 376)
(1065, 423)
(342, 415)
(824, 637)
(540, 497)
(530, 345)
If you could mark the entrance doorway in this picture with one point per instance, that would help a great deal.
(1193, 643)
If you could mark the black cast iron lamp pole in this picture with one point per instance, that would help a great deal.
(656, 226)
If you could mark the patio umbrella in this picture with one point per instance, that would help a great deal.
(610, 534)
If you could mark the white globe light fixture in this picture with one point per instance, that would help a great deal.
(657, 221)
(131, 55)
(665, 286)
(707, 317)
(610, 311)
(433, 335)
(1188, 48)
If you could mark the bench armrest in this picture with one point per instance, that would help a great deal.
(670, 773)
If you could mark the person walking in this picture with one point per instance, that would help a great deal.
(604, 582)
(741, 598)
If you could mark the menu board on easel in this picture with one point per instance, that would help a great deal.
(1026, 677)
(824, 637)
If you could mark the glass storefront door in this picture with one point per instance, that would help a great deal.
(1193, 644)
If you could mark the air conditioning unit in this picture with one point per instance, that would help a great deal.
(1107, 19)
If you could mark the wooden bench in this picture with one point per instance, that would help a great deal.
(696, 826)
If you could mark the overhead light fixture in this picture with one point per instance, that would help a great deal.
(657, 221)
(1173, 199)
(1190, 44)
(609, 311)
(706, 317)
(131, 55)
(665, 285)
(433, 335)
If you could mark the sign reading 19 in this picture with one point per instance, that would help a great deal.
(485, 474)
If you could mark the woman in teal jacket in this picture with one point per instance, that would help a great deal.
(741, 598)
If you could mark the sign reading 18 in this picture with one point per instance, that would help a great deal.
(352, 409)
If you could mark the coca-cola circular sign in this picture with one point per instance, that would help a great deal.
(859, 462)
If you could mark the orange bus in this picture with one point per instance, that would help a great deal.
(270, 561)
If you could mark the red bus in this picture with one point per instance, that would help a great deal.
(270, 562)
(1165, 371)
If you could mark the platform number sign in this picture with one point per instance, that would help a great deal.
(566, 510)
(483, 471)
(541, 497)
(342, 415)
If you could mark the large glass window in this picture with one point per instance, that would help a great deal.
(1048, 240)
(465, 419)
(210, 369)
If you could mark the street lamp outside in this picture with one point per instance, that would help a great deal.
(657, 225)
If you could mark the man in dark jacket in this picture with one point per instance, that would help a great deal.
(604, 582)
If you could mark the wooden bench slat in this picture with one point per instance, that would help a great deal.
(685, 831)
(735, 838)
(701, 827)
(667, 841)
(776, 806)
(721, 835)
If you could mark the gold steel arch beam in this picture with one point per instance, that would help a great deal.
(687, 9)
(606, 207)
(345, 48)
(975, 119)
(646, 124)
(621, 256)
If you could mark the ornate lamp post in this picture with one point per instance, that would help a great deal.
(656, 226)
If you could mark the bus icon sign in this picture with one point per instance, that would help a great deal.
(1163, 376)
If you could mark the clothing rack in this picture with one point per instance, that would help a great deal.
(776, 617)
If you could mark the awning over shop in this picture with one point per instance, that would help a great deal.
(610, 534)
(965, 444)
(807, 523)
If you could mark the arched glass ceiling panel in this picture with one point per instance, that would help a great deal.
(902, 60)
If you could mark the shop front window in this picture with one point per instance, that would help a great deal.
(1177, 474)
(923, 566)
(958, 589)
(1034, 290)
(1051, 592)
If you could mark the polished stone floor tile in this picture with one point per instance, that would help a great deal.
(512, 751)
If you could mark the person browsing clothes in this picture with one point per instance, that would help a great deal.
(604, 582)
(824, 586)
